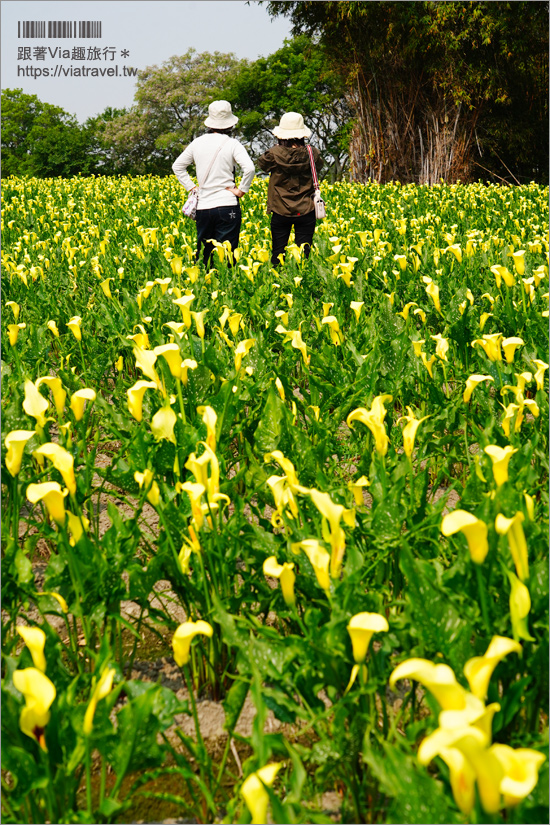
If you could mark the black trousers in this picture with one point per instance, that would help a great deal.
(304, 227)
(222, 223)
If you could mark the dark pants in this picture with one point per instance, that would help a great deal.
(304, 227)
(223, 223)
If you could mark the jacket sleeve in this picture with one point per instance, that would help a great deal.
(247, 166)
(180, 165)
(266, 162)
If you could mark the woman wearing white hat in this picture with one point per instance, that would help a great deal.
(290, 191)
(215, 155)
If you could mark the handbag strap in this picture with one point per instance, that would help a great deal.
(313, 169)
(212, 163)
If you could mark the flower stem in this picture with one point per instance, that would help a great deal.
(482, 590)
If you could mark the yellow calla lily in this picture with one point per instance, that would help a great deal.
(56, 387)
(39, 693)
(332, 514)
(172, 355)
(184, 303)
(361, 629)
(539, 375)
(35, 404)
(462, 777)
(78, 401)
(13, 333)
(184, 635)
(52, 326)
(409, 431)
(375, 424)
(440, 680)
(74, 326)
(519, 261)
(242, 349)
(500, 456)
(102, 689)
(135, 397)
(441, 347)
(357, 306)
(473, 528)
(319, 559)
(163, 423)
(478, 671)
(510, 345)
(198, 317)
(52, 495)
(433, 291)
(520, 605)
(63, 462)
(520, 767)
(209, 417)
(254, 793)
(15, 444)
(285, 573)
(15, 308)
(356, 488)
(145, 360)
(471, 384)
(145, 480)
(35, 639)
(490, 345)
(195, 491)
(512, 528)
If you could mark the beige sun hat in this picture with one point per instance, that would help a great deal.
(291, 125)
(220, 115)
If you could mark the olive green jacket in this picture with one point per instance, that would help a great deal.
(290, 190)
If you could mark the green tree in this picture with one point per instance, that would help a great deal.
(439, 89)
(296, 78)
(40, 139)
(103, 155)
(171, 105)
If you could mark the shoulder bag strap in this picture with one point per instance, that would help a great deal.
(212, 162)
(313, 169)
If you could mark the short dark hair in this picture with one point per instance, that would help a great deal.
(291, 142)
(220, 131)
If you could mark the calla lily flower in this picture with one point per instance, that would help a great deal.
(519, 261)
(356, 488)
(433, 291)
(176, 327)
(500, 456)
(198, 317)
(234, 322)
(163, 423)
(145, 480)
(501, 273)
(456, 250)
(184, 303)
(135, 397)
(417, 347)
(539, 375)
(254, 793)
(63, 462)
(288, 467)
(188, 364)
(332, 532)
(462, 777)
(440, 680)
(209, 417)
(405, 311)
(335, 334)
(102, 689)
(15, 444)
(78, 401)
(52, 326)
(473, 528)
(478, 671)
(471, 384)
(76, 525)
(145, 360)
(280, 388)
(51, 494)
(13, 333)
(509, 345)
(520, 605)
(56, 387)
(409, 432)
(361, 629)
(74, 326)
(172, 355)
(285, 573)
(319, 559)
(15, 308)
(242, 349)
(195, 491)
(39, 693)
(375, 425)
(184, 635)
(105, 286)
(326, 309)
(490, 345)
(512, 528)
(35, 639)
(35, 404)
(441, 347)
(62, 603)
(297, 343)
(357, 306)
(520, 767)
(282, 493)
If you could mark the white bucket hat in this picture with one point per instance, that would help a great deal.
(291, 125)
(220, 115)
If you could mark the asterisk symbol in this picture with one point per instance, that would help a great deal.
(125, 53)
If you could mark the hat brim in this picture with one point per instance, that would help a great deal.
(221, 123)
(287, 134)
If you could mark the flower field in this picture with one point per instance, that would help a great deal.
(322, 490)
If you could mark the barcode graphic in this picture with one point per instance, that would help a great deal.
(34, 29)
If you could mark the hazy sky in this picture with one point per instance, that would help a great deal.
(134, 34)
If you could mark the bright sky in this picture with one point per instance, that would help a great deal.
(134, 34)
